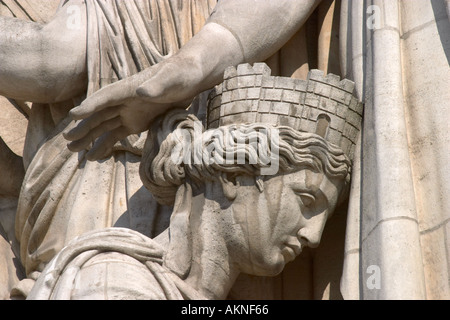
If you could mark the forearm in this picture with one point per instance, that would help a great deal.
(262, 27)
(18, 42)
(41, 63)
(238, 31)
(247, 32)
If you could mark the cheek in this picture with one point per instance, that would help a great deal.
(287, 220)
(278, 216)
(270, 219)
(267, 261)
(280, 225)
(264, 243)
(282, 204)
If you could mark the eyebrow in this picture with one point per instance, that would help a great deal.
(313, 181)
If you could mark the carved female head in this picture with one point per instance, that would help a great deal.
(272, 216)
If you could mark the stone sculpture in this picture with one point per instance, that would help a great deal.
(13, 127)
(229, 216)
(132, 70)
(56, 178)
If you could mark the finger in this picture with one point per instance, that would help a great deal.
(104, 145)
(85, 142)
(86, 126)
(110, 96)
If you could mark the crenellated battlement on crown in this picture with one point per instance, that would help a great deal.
(323, 104)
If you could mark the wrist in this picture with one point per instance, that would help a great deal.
(198, 66)
(224, 49)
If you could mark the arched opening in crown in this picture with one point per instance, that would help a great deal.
(323, 125)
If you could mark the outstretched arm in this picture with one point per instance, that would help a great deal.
(238, 31)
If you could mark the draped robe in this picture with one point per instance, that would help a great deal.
(63, 195)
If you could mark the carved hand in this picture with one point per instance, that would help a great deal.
(230, 38)
(128, 107)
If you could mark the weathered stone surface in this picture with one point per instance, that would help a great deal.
(119, 65)
(277, 99)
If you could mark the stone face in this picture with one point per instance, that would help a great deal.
(220, 211)
(254, 198)
(345, 97)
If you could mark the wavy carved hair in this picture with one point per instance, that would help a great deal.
(297, 150)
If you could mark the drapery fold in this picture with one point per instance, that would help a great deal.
(58, 280)
(125, 37)
(399, 212)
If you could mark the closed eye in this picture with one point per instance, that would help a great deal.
(307, 199)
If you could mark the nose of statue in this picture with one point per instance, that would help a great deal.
(309, 239)
(311, 234)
